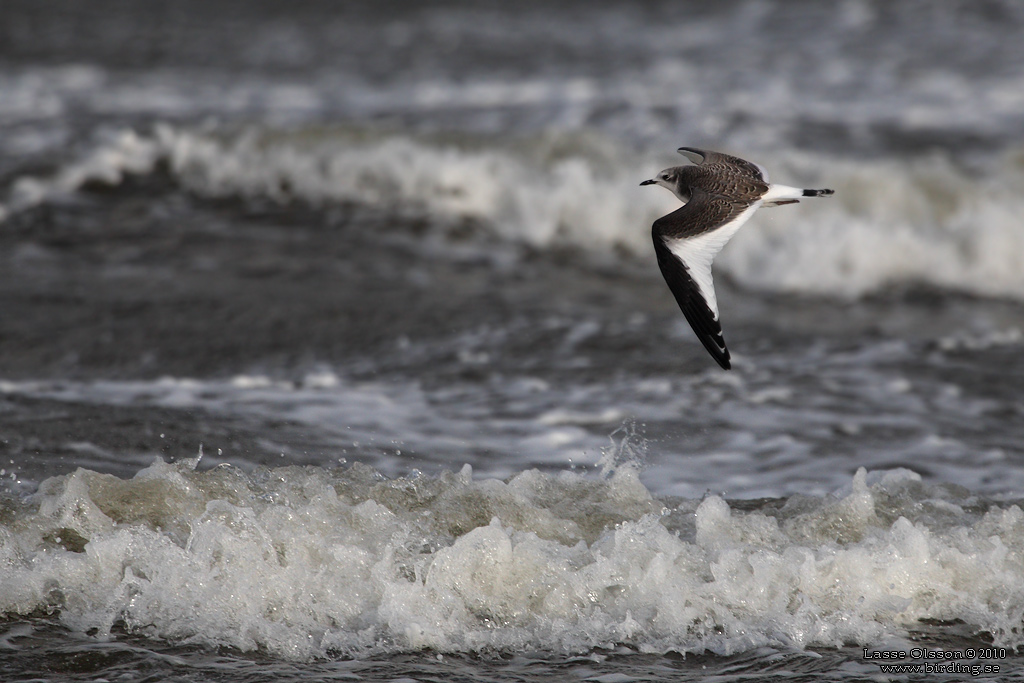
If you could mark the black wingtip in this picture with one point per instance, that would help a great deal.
(721, 355)
(819, 193)
(708, 331)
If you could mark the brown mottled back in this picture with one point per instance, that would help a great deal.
(727, 176)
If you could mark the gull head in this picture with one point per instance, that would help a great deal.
(671, 179)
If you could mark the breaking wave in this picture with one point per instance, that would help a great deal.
(925, 220)
(304, 562)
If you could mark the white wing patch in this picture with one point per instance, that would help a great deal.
(697, 253)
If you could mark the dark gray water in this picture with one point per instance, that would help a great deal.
(340, 251)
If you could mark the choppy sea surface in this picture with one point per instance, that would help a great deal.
(333, 347)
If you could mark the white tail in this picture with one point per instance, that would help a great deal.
(777, 195)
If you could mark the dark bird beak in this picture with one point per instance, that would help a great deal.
(649, 182)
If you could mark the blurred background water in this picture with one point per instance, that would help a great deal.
(342, 250)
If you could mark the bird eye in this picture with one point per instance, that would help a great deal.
(664, 176)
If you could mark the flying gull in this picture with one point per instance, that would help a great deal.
(720, 193)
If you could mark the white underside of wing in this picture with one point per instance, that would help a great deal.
(697, 253)
(692, 156)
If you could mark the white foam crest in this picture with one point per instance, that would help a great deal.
(309, 562)
(124, 153)
(925, 221)
(539, 194)
(891, 221)
(530, 195)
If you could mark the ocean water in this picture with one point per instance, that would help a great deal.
(333, 347)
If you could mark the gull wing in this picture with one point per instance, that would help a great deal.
(686, 241)
(709, 159)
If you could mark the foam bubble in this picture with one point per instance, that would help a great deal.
(310, 562)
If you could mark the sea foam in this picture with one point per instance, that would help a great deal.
(307, 562)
